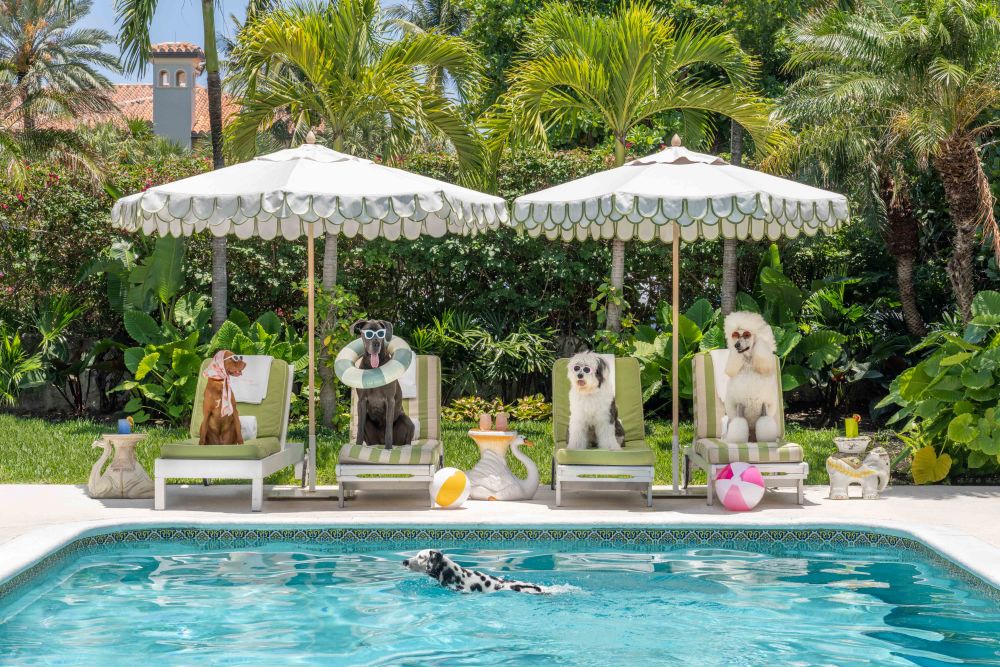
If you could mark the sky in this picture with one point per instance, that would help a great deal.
(175, 21)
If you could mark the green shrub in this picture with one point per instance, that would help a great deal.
(950, 399)
(526, 408)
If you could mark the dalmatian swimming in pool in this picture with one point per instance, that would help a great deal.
(452, 575)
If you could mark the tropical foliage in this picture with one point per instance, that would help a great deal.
(615, 72)
(930, 71)
(948, 402)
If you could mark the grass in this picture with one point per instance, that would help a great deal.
(37, 451)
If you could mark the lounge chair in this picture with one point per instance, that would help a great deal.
(629, 468)
(412, 466)
(254, 459)
(780, 463)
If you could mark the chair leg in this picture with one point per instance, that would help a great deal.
(649, 495)
(256, 494)
(801, 487)
(558, 494)
(160, 493)
(552, 481)
(340, 494)
(710, 497)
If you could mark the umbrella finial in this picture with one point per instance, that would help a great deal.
(676, 141)
(311, 137)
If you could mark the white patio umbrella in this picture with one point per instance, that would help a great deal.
(310, 190)
(676, 195)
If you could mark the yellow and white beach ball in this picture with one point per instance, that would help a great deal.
(450, 488)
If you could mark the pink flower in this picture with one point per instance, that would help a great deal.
(20, 197)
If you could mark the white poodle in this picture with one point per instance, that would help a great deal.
(753, 386)
(593, 415)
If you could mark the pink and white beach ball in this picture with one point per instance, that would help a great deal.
(740, 486)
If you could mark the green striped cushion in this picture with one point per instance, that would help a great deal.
(709, 409)
(425, 407)
(421, 452)
(715, 450)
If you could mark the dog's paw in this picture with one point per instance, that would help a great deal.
(767, 429)
(738, 431)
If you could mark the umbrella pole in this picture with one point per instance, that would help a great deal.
(311, 299)
(675, 342)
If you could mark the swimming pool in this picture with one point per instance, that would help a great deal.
(338, 596)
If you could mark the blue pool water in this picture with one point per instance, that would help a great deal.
(166, 603)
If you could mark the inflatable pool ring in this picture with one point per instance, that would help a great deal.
(370, 378)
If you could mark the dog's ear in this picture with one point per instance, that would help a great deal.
(763, 351)
(602, 368)
(388, 329)
(356, 327)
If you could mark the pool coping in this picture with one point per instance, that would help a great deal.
(975, 557)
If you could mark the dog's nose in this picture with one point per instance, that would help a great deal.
(579, 375)
(406, 563)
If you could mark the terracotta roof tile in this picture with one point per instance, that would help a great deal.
(176, 49)
(135, 101)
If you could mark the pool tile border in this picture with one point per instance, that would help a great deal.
(805, 538)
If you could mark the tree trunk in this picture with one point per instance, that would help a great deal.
(970, 204)
(220, 280)
(729, 260)
(614, 322)
(328, 387)
(903, 243)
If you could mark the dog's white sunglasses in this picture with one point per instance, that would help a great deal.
(736, 334)
(373, 333)
(234, 357)
(576, 369)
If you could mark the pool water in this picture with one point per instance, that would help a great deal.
(307, 603)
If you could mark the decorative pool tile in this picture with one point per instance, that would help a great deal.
(350, 538)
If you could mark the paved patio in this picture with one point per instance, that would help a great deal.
(959, 521)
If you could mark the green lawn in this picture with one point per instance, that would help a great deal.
(38, 451)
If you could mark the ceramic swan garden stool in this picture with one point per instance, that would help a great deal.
(491, 479)
(124, 477)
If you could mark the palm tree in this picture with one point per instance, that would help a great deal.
(848, 149)
(446, 17)
(622, 70)
(336, 67)
(934, 67)
(52, 65)
(19, 148)
(135, 17)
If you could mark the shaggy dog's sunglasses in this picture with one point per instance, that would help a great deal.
(373, 333)
(745, 335)
(235, 357)
(585, 369)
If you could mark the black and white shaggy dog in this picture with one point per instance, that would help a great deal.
(452, 575)
(593, 415)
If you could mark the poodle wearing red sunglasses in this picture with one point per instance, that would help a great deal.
(753, 386)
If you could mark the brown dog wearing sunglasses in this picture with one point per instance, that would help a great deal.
(220, 421)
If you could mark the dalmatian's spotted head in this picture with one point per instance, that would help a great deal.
(425, 562)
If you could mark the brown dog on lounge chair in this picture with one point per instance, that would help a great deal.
(220, 422)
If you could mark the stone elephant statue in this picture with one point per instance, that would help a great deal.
(872, 474)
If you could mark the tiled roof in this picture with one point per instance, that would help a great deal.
(135, 101)
(176, 49)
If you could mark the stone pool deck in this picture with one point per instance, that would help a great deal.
(960, 522)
